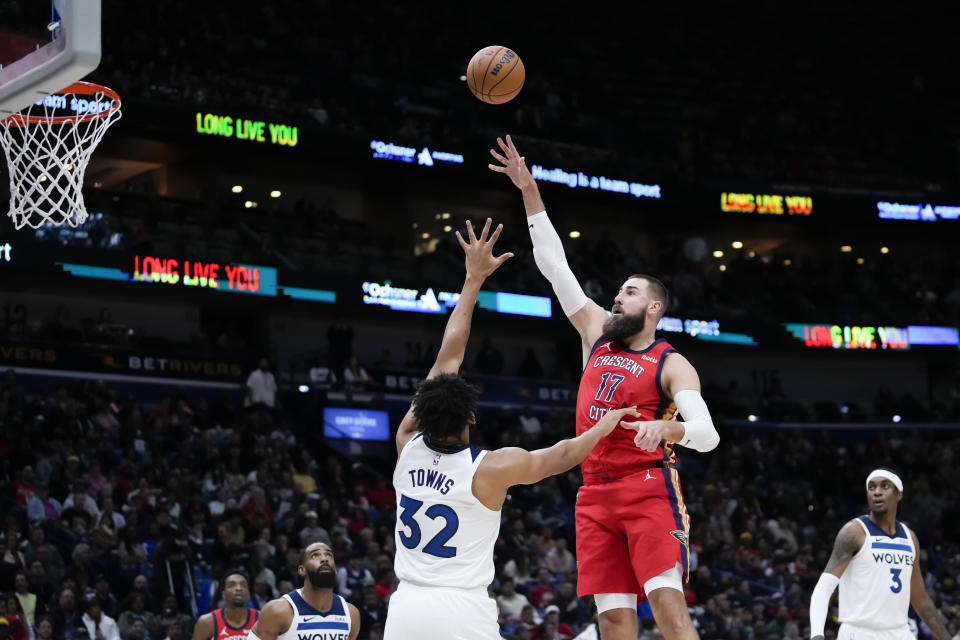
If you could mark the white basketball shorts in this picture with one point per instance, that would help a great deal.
(852, 632)
(441, 613)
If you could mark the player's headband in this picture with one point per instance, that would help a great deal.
(889, 475)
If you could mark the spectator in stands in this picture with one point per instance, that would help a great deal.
(559, 559)
(322, 378)
(108, 601)
(372, 610)
(99, 625)
(10, 613)
(66, 616)
(353, 577)
(44, 628)
(530, 423)
(530, 367)
(489, 360)
(81, 500)
(510, 602)
(42, 506)
(543, 593)
(134, 614)
(261, 387)
(355, 377)
(313, 532)
(137, 630)
(171, 615)
(28, 601)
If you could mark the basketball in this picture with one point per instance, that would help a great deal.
(495, 74)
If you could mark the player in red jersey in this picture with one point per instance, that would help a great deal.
(632, 526)
(235, 619)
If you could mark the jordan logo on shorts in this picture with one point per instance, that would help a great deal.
(649, 476)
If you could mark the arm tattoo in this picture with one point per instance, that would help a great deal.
(844, 548)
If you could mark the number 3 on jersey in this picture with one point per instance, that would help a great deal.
(438, 543)
(614, 381)
(897, 584)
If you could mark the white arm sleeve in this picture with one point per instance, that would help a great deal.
(820, 602)
(699, 432)
(552, 262)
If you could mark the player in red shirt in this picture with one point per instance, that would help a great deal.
(632, 526)
(235, 619)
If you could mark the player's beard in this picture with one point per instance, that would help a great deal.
(322, 579)
(620, 328)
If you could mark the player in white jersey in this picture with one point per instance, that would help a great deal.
(313, 612)
(449, 494)
(874, 561)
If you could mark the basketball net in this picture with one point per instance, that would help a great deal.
(47, 154)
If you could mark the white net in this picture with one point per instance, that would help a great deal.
(47, 155)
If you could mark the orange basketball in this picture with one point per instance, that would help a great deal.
(495, 74)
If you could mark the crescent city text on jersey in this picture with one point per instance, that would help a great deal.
(619, 362)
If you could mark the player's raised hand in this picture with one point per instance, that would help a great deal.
(511, 163)
(479, 251)
(612, 418)
(649, 433)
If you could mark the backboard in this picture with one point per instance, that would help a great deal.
(70, 50)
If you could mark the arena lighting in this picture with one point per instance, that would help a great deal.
(574, 234)
(718, 253)
(723, 267)
(445, 215)
(236, 188)
(425, 235)
(303, 388)
(580, 180)
(275, 194)
(447, 228)
(846, 248)
(896, 417)
(752, 418)
(884, 250)
(844, 409)
(860, 260)
(736, 244)
(787, 262)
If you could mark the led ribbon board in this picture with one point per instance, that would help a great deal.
(425, 157)
(244, 129)
(703, 330)
(766, 204)
(428, 301)
(925, 212)
(580, 180)
(850, 337)
(199, 274)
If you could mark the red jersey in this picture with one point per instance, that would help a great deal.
(614, 378)
(223, 630)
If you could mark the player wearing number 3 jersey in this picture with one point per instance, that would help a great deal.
(449, 493)
(875, 562)
(632, 526)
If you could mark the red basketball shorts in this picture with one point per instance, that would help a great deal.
(630, 530)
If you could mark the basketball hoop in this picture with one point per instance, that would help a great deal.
(47, 153)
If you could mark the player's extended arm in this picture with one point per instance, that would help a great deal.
(920, 599)
(354, 621)
(503, 468)
(848, 542)
(274, 621)
(480, 263)
(585, 314)
(204, 628)
(680, 382)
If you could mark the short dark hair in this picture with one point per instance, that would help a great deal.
(658, 290)
(444, 405)
(234, 572)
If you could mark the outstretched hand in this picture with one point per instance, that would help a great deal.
(511, 163)
(479, 251)
(612, 418)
